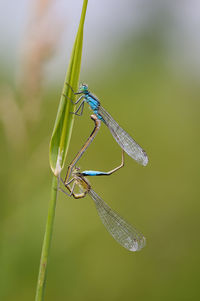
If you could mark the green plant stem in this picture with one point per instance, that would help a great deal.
(47, 241)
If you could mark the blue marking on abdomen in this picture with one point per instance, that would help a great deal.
(92, 173)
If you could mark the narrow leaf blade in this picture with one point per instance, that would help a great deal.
(62, 131)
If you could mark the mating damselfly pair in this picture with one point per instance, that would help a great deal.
(123, 232)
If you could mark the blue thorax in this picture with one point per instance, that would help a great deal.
(94, 103)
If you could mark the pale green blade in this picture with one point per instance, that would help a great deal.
(61, 135)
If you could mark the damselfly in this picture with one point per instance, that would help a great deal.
(126, 142)
(122, 232)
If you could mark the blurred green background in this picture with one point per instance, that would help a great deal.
(147, 77)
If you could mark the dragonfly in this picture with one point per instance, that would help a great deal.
(126, 142)
(124, 233)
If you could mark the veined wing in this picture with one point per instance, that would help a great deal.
(123, 233)
(124, 139)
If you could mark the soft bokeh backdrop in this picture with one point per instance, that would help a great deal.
(142, 60)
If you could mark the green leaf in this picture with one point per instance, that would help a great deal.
(62, 131)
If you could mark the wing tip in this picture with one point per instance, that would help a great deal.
(138, 245)
(145, 160)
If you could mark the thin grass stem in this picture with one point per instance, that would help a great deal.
(47, 242)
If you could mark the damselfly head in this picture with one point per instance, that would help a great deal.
(77, 168)
(83, 88)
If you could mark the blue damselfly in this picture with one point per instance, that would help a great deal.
(126, 142)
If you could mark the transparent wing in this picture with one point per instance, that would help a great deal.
(123, 233)
(123, 138)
